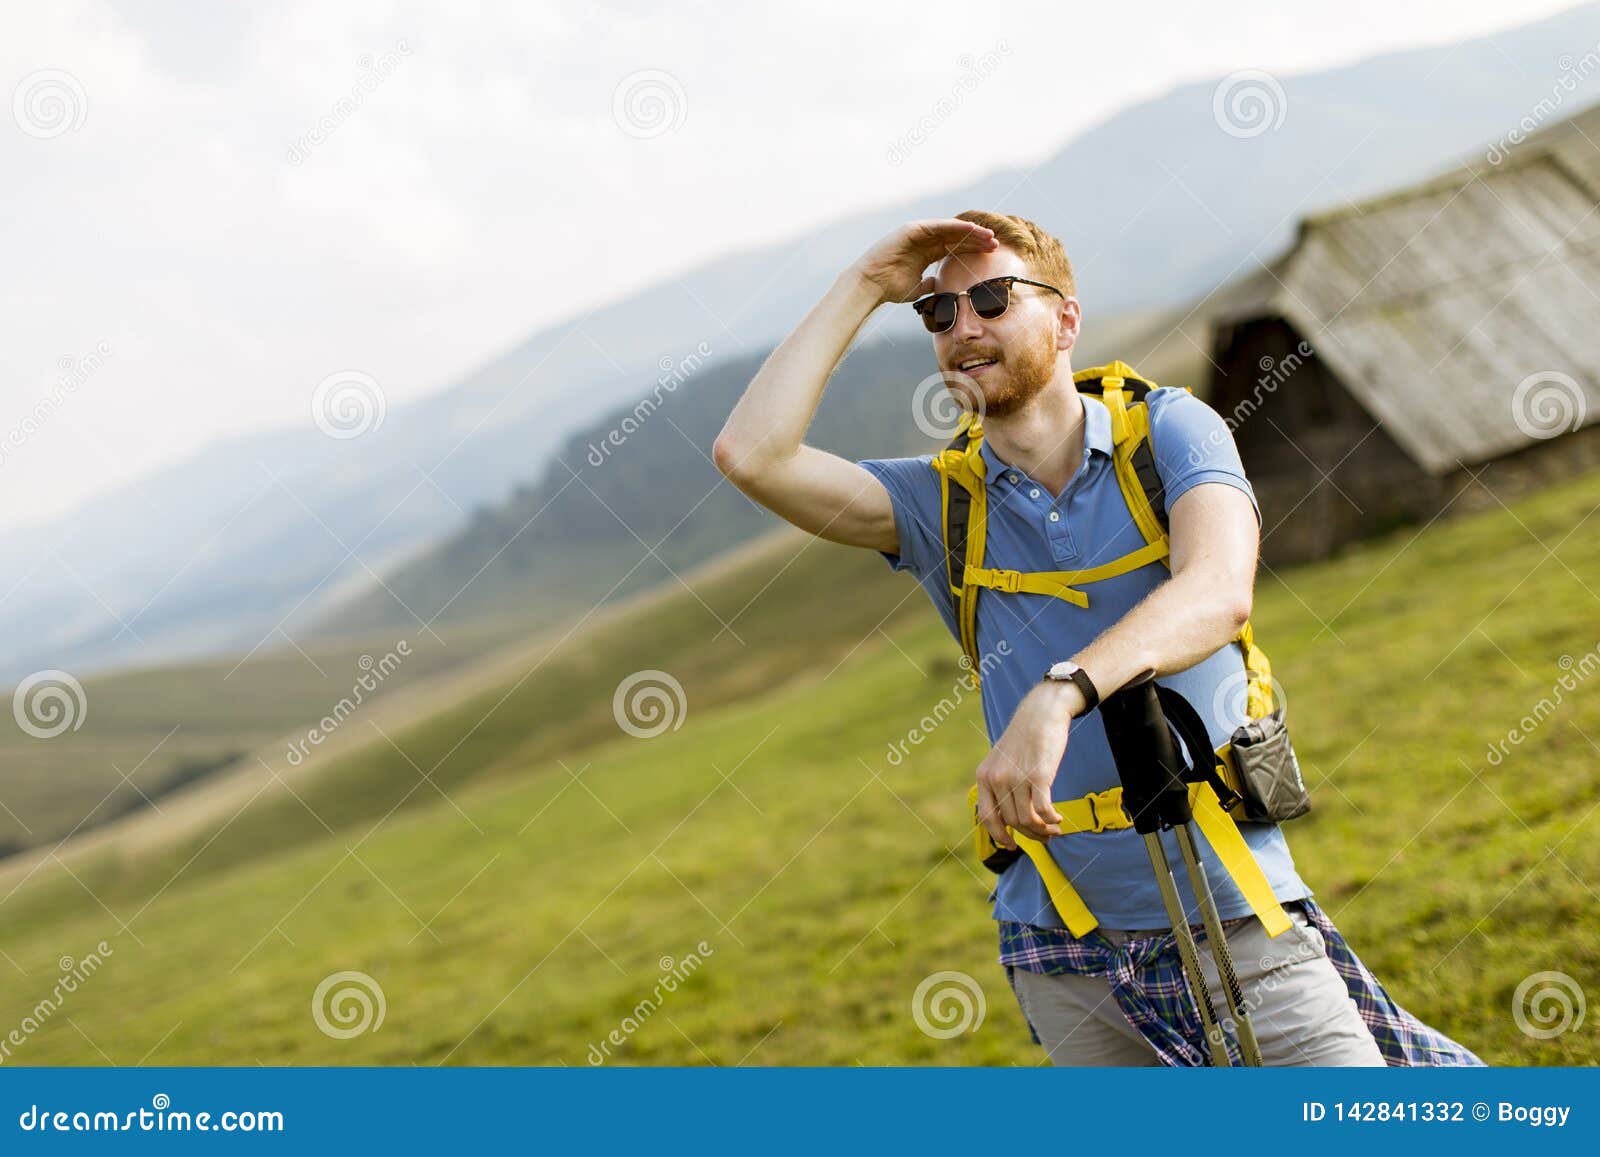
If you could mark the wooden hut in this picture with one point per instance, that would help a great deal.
(1430, 351)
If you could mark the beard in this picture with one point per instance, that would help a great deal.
(1027, 371)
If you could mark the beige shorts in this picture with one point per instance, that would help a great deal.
(1299, 1005)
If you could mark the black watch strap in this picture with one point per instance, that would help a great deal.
(1091, 694)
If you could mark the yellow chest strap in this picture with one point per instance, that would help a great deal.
(1063, 583)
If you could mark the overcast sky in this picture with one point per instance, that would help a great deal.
(229, 205)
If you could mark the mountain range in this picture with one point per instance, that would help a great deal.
(484, 499)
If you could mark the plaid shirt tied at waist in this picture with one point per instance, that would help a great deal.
(1149, 986)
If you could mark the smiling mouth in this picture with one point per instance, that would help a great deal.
(973, 365)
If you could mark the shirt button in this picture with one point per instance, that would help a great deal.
(1034, 493)
(1013, 477)
(1055, 516)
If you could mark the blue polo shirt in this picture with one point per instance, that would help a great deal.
(1088, 524)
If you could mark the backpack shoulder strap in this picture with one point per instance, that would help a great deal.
(1125, 395)
(963, 503)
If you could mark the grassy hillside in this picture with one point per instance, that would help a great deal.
(572, 866)
(137, 736)
(766, 616)
(526, 568)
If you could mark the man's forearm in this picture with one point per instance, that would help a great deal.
(1171, 629)
(770, 421)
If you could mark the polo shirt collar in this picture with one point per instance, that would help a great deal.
(1096, 437)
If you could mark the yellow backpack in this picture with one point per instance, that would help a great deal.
(964, 509)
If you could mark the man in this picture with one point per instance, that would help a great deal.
(1115, 996)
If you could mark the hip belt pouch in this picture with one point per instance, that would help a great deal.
(1269, 773)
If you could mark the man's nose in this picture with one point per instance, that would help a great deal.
(969, 325)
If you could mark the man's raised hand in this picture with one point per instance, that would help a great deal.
(896, 264)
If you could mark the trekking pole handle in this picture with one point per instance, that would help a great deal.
(1146, 754)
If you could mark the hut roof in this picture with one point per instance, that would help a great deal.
(1463, 311)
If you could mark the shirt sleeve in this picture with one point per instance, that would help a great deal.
(914, 492)
(1193, 444)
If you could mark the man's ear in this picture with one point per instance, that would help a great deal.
(1069, 317)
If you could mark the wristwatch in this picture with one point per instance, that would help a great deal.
(1067, 671)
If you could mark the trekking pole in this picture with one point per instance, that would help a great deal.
(1243, 1028)
(1156, 797)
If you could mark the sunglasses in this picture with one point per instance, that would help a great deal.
(989, 300)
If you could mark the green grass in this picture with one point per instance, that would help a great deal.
(143, 733)
(521, 920)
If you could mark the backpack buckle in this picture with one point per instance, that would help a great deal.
(1008, 581)
(1108, 800)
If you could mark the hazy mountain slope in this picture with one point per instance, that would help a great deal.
(1157, 204)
